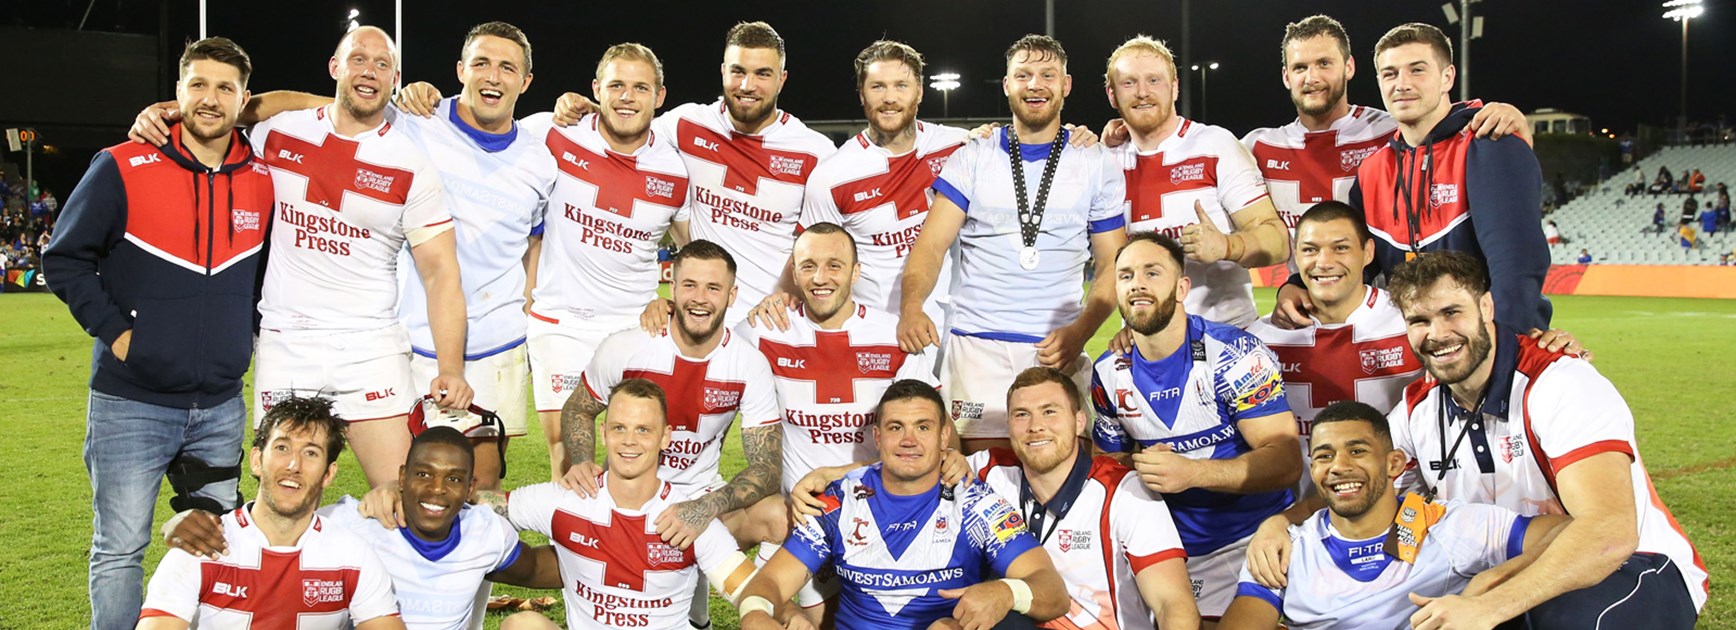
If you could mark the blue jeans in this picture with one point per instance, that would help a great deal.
(127, 449)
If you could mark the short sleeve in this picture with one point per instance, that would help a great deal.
(996, 529)
(818, 205)
(1109, 204)
(258, 133)
(668, 126)
(1106, 429)
(174, 588)
(607, 365)
(713, 547)
(373, 597)
(426, 214)
(532, 508)
(1240, 183)
(1256, 387)
(811, 542)
(1141, 523)
(1247, 587)
(537, 125)
(504, 534)
(957, 180)
(759, 399)
(1479, 536)
(1576, 413)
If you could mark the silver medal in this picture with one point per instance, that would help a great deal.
(1028, 258)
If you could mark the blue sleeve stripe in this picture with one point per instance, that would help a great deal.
(511, 557)
(1013, 549)
(805, 553)
(1105, 225)
(537, 230)
(1516, 537)
(953, 193)
(1250, 589)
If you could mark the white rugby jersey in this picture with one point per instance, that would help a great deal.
(829, 381)
(995, 297)
(893, 554)
(618, 572)
(745, 190)
(704, 395)
(329, 579)
(1341, 583)
(1202, 163)
(1110, 528)
(436, 583)
(1193, 400)
(1366, 359)
(1303, 167)
(881, 200)
(497, 194)
(1544, 411)
(345, 206)
(607, 215)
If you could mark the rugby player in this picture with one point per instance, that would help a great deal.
(620, 570)
(1017, 301)
(908, 550)
(286, 566)
(1192, 182)
(1198, 409)
(437, 549)
(1344, 575)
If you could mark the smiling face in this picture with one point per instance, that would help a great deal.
(752, 79)
(433, 484)
(628, 96)
(703, 290)
(634, 435)
(1317, 72)
(1043, 426)
(912, 436)
(1414, 81)
(211, 94)
(890, 93)
(1351, 466)
(1036, 85)
(1331, 256)
(294, 469)
(1149, 287)
(1449, 329)
(494, 74)
(825, 269)
(366, 70)
(1143, 89)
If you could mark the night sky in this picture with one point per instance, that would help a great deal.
(1617, 62)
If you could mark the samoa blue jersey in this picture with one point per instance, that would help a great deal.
(1192, 400)
(893, 554)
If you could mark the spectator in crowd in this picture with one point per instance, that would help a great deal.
(1584, 256)
(1721, 207)
(1690, 208)
(1552, 233)
(1639, 184)
(1663, 183)
(1709, 220)
(1682, 182)
(1659, 223)
(1696, 183)
(1685, 234)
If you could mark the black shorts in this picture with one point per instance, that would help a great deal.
(1648, 591)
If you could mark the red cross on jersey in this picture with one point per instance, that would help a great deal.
(619, 572)
(345, 209)
(703, 393)
(829, 381)
(328, 579)
(1367, 359)
(1305, 167)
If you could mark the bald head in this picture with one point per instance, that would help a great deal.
(367, 37)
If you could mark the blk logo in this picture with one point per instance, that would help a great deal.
(575, 161)
(142, 160)
(701, 143)
(1278, 165)
(794, 364)
(866, 195)
(381, 395)
(288, 156)
(231, 590)
(584, 541)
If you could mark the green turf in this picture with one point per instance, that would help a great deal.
(1663, 354)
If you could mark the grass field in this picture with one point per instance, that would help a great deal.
(1667, 356)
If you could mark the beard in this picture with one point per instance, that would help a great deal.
(1157, 320)
(906, 119)
(1036, 120)
(1049, 459)
(1143, 124)
(1352, 508)
(309, 502)
(751, 117)
(697, 332)
(1476, 352)
(218, 130)
(1334, 95)
(358, 108)
(623, 134)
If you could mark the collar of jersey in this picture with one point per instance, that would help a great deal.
(490, 142)
(1028, 152)
(891, 509)
(1062, 502)
(434, 551)
(1338, 548)
(729, 126)
(1500, 386)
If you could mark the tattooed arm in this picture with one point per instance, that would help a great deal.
(763, 447)
(579, 440)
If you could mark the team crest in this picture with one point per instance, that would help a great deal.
(785, 166)
(377, 182)
(722, 399)
(1349, 160)
(315, 591)
(659, 552)
(1377, 359)
(244, 220)
(966, 410)
(1071, 539)
(564, 382)
(1443, 195)
(655, 187)
(1512, 447)
(871, 362)
(1189, 172)
(935, 164)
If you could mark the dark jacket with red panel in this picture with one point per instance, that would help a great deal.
(1456, 192)
(153, 241)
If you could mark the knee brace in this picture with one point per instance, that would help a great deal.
(188, 475)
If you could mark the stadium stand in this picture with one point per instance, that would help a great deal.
(1612, 225)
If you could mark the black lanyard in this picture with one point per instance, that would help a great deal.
(1448, 453)
(1037, 514)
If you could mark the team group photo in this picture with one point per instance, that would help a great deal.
(558, 321)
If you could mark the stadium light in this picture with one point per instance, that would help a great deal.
(946, 82)
(350, 19)
(1202, 70)
(1683, 11)
(1470, 27)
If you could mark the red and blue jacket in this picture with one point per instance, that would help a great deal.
(1456, 192)
(153, 241)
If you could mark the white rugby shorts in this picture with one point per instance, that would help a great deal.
(498, 381)
(366, 373)
(558, 355)
(975, 373)
(1215, 575)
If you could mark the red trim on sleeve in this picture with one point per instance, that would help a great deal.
(539, 316)
(152, 612)
(438, 223)
(587, 383)
(1141, 562)
(1594, 448)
